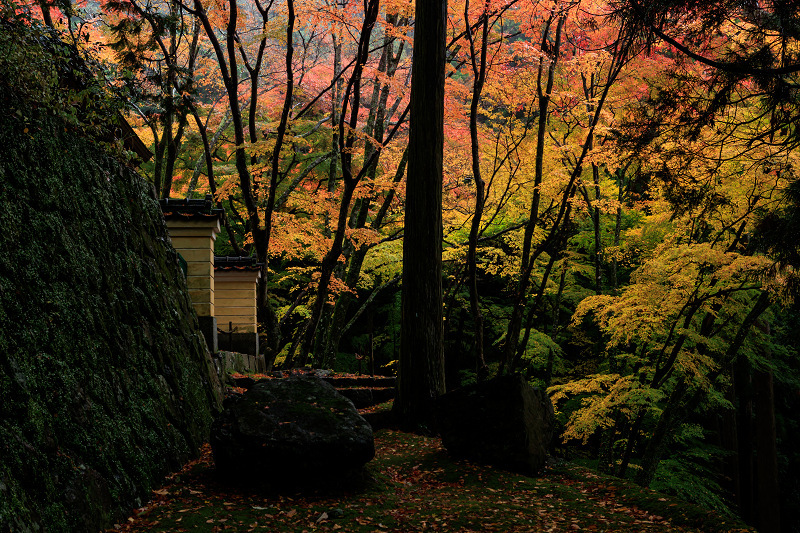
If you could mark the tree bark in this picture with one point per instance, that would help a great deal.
(421, 376)
(478, 58)
(349, 178)
(333, 329)
(526, 264)
(767, 496)
(680, 406)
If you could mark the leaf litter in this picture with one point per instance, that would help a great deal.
(413, 485)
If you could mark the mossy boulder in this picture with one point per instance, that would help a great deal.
(105, 381)
(296, 430)
(502, 422)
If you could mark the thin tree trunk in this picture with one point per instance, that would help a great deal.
(336, 97)
(589, 90)
(668, 422)
(598, 238)
(633, 438)
(353, 92)
(515, 322)
(479, 73)
(226, 59)
(266, 313)
(617, 231)
(358, 217)
(537, 301)
(173, 138)
(158, 154)
(679, 408)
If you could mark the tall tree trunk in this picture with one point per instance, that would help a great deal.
(336, 97)
(266, 313)
(532, 310)
(744, 438)
(669, 420)
(619, 57)
(421, 376)
(589, 92)
(160, 147)
(354, 265)
(766, 454)
(620, 174)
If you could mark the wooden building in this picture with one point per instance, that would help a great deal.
(235, 280)
(193, 226)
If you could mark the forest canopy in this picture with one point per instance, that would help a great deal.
(620, 199)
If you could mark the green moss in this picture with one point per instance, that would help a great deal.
(105, 385)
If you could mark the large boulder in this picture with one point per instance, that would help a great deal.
(295, 429)
(503, 422)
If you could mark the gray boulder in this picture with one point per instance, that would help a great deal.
(292, 430)
(502, 422)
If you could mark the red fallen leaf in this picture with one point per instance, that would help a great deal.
(291, 513)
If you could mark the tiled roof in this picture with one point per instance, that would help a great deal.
(189, 208)
(241, 263)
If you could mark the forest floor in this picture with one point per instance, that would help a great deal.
(413, 485)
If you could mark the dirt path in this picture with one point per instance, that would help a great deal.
(414, 486)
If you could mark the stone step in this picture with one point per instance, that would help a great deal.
(363, 392)
(381, 420)
(367, 396)
(361, 381)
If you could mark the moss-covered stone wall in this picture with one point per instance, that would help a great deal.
(105, 381)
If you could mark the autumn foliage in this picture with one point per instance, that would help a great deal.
(619, 200)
